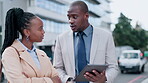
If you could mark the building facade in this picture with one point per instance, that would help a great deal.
(54, 16)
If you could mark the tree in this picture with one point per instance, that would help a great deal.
(125, 34)
(122, 31)
(140, 40)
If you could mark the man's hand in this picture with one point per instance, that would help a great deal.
(56, 79)
(97, 78)
(70, 80)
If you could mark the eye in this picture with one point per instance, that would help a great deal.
(75, 17)
(41, 28)
(68, 17)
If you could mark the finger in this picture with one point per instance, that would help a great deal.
(88, 74)
(103, 73)
(96, 73)
(92, 77)
(89, 78)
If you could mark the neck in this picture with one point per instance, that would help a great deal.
(26, 43)
(86, 25)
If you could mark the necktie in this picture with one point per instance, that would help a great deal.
(82, 62)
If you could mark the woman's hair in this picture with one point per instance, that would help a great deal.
(16, 21)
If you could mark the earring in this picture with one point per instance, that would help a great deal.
(27, 38)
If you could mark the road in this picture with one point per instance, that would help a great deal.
(132, 77)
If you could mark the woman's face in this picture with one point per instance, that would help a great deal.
(36, 32)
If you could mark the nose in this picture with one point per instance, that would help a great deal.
(43, 31)
(71, 21)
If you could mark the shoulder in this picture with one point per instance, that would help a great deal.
(9, 51)
(102, 32)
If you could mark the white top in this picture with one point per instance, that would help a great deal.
(32, 53)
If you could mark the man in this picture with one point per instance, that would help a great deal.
(98, 45)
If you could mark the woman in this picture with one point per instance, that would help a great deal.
(23, 63)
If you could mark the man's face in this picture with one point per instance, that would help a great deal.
(77, 18)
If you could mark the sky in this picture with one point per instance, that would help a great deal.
(133, 9)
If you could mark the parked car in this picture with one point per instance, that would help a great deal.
(119, 50)
(132, 60)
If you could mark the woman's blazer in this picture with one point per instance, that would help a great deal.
(20, 67)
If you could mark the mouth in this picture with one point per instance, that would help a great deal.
(43, 37)
(72, 27)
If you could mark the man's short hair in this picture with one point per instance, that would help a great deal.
(82, 5)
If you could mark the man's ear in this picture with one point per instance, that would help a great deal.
(26, 32)
(87, 15)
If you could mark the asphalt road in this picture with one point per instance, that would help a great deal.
(132, 77)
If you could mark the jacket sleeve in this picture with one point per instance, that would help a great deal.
(13, 69)
(58, 62)
(111, 60)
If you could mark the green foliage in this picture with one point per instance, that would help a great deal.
(125, 34)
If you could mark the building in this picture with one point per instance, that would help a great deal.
(53, 14)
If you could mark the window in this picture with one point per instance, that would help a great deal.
(55, 27)
(130, 55)
(51, 6)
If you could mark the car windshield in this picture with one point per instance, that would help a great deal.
(130, 55)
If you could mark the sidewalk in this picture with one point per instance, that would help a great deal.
(145, 81)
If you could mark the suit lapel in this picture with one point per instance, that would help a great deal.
(95, 42)
(43, 63)
(28, 59)
(70, 49)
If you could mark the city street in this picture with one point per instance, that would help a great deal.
(73, 34)
(132, 77)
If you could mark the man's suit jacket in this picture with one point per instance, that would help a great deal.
(16, 64)
(102, 52)
(0, 70)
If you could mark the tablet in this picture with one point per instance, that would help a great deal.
(89, 68)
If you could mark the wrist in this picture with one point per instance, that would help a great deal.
(69, 79)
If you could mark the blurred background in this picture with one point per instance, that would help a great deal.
(126, 19)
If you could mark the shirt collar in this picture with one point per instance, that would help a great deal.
(33, 47)
(87, 31)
